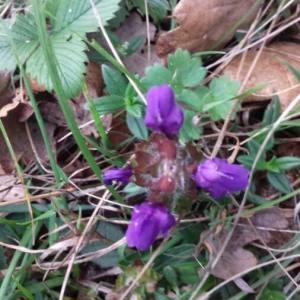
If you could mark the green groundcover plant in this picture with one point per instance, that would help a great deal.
(169, 178)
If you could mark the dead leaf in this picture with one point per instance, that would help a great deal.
(20, 105)
(268, 224)
(206, 24)
(93, 80)
(20, 142)
(270, 70)
(10, 188)
(4, 80)
(134, 26)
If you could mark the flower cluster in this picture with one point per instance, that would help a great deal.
(165, 167)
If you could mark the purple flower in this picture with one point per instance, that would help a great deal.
(148, 221)
(119, 174)
(218, 177)
(163, 114)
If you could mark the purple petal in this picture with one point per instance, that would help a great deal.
(119, 174)
(162, 113)
(148, 222)
(218, 177)
(141, 233)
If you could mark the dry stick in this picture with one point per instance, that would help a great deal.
(80, 240)
(113, 50)
(251, 34)
(148, 31)
(274, 33)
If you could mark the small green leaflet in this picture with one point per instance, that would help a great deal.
(187, 71)
(223, 90)
(115, 82)
(157, 8)
(137, 126)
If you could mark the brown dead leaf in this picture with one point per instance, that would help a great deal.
(93, 81)
(20, 142)
(268, 225)
(4, 80)
(20, 105)
(134, 26)
(10, 188)
(271, 70)
(206, 24)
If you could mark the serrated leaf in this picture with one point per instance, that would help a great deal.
(78, 16)
(279, 182)
(70, 57)
(20, 36)
(194, 99)
(189, 131)
(137, 126)
(156, 75)
(223, 89)
(24, 35)
(187, 71)
(108, 104)
(115, 82)
(157, 8)
(7, 61)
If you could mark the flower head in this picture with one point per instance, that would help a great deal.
(148, 221)
(163, 114)
(218, 177)
(119, 174)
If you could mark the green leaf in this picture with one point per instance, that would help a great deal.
(110, 231)
(269, 294)
(223, 89)
(272, 112)
(137, 127)
(157, 8)
(24, 35)
(108, 260)
(189, 131)
(287, 162)
(24, 38)
(69, 20)
(108, 104)
(156, 75)
(247, 161)
(7, 61)
(134, 107)
(170, 275)
(78, 16)
(191, 99)
(70, 57)
(115, 82)
(279, 182)
(187, 71)
(294, 71)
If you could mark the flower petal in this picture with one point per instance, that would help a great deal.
(119, 174)
(162, 113)
(149, 221)
(218, 177)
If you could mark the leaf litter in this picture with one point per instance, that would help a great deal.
(200, 26)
